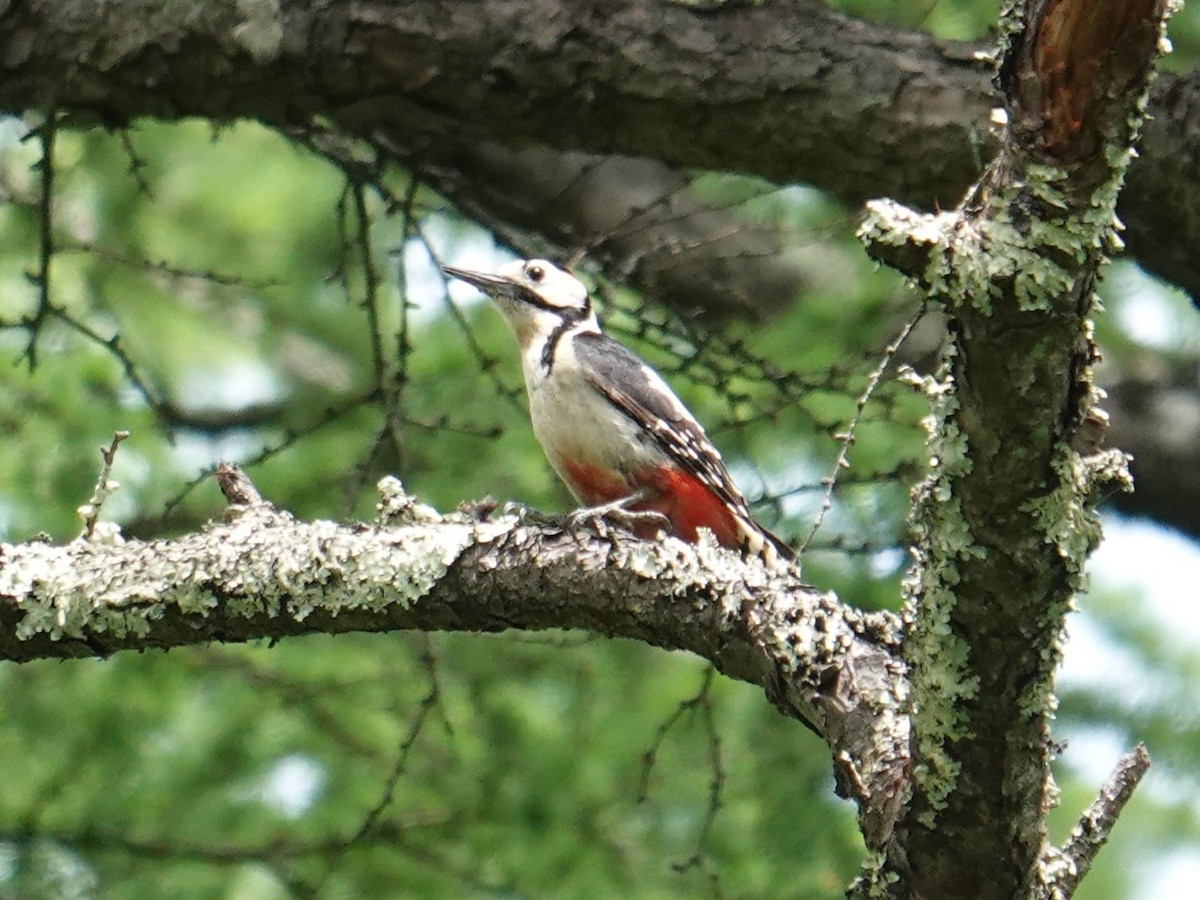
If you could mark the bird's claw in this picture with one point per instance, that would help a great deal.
(618, 513)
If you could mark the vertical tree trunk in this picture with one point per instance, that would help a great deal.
(1004, 521)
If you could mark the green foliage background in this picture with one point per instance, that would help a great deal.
(210, 276)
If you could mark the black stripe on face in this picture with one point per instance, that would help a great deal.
(574, 313)
(570, 318)
(499, 287)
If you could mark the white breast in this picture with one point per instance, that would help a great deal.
(573, 421)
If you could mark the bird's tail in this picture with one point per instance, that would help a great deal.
(763, 543)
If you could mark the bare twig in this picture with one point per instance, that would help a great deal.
(113, 345)
(715, 787)
(290, 437)
(371, 819)
(650, 757)
(404, 345)
(701, 702)
(101, 841)
(1097, 821)
(90, 511)
(372, 822)
(163, 268)
(370, 299)
(486, 362)
(311, 699)
(136, 164)
(846, 547)
(902, 471)
(46, 134)
(846, 438)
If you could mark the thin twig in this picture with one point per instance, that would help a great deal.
(650, 757)
(401, 762)
(46, 134)
(702, 701)
(715, 787)
(897, 474)
(372, 822)
(403, 343)
(636, 222)
(846, 437)
(136, 164)
(845, 547)
(90, 511)
(370, 300)
(113, 345)
(162, 267)
(487, 364)
(309, 699)
(394, 387)
(100, 841)
(1097, 821)
(290, 437)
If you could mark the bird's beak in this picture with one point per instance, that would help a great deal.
(489, 284)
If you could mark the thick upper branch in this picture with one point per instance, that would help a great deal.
(790, 91)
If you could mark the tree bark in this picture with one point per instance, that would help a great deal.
(790, 91)
(263, 574)
(1004, 522)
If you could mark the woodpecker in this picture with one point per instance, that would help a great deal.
(612, 429)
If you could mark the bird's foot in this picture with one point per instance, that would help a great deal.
(617, 512)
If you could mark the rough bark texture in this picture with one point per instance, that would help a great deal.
(262, 574)
(1004, 521)
(790, 91)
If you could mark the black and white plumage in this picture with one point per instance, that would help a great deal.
(610, 426)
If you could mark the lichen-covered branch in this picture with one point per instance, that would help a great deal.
(1063, 869)
(1004, 522)
(263, 574)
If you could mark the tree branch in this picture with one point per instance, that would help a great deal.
(789, 91)
(1064, 869)
(263, 574)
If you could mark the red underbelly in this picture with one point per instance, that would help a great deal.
(685, 500)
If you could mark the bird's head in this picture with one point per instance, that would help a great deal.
(534, 295)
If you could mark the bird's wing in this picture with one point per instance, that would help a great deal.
(641, 394)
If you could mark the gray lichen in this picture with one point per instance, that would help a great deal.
(941, 679)
(261, 561)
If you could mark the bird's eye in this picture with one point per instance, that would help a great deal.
(535, 273)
